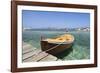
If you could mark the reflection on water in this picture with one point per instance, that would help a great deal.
(79, 50)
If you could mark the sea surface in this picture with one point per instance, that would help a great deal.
(79, 50)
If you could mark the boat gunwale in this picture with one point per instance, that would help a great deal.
(60, 42)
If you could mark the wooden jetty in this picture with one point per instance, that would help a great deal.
(31, 54)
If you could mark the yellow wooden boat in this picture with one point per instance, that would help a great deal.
(57, 44)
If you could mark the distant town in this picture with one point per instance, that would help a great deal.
(58, 29)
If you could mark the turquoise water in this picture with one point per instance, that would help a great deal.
(79, 50)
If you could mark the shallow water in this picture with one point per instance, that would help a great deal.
(79, 50)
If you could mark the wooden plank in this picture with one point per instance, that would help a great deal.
(49, 58)
(30, 59)
(27, 46)
(36, 58)
(28, 50)
(40, 56)
(29, 54)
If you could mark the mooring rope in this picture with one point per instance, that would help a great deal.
(50, 48)
(54, 47)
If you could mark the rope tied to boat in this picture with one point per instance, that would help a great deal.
(50, 48)
(54, 47)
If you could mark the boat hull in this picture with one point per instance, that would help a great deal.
(58, 49)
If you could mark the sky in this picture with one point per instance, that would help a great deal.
(52, 19)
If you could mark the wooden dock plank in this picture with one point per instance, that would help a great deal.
(31, 54)
(30, 59)
(40, 56)
(49, 58)
(27, 55)
(28, 50)
(36, 57)
(27, 46)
